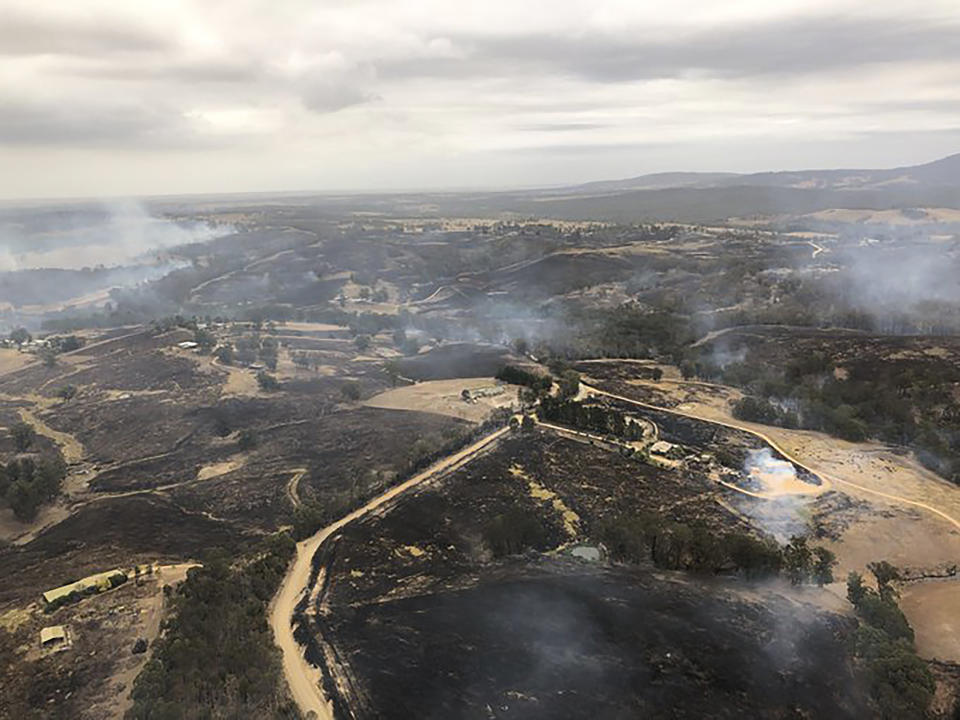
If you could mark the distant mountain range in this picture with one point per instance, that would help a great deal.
(680, 196)
(710, 197)
(943, 172)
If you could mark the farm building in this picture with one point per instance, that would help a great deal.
(663, 448)
(53, 636)
(86, 586)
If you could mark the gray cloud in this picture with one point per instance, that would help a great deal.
(563, 127)
(326, 90)
(396, 95)
(24, 122)
(174, 69)
(34, 34)
(783, 47)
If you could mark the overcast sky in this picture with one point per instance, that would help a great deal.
(178, 96)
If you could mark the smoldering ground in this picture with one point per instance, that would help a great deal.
(565, 640)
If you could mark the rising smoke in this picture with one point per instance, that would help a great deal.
(118, 233)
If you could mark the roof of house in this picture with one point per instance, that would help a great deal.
(661, 446)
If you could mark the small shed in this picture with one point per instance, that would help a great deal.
(187, 345)
(53, 636)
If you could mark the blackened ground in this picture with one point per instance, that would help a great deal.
(114, 532)
(456, 360)
(425, 623)
(559, 639)
(438, 536)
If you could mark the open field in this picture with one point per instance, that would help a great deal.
(444, 397)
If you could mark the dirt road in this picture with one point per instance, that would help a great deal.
(293, 486)
(302, 677)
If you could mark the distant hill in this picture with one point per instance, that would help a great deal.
(945, 171)
(705, 197)
(686, 196)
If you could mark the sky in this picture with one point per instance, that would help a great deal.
(192, 96)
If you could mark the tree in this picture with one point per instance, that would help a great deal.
(67, 392)
(392, 368)
(527, 424)
(350, 391)
(569, 383)
(23, 499)
(856, 590)
(823, 562)
(885, 573)
(513, 532)
(266, 381)
(797, 559)
(23, 436)
(205, 339)
(20, 336)
(27, 483)
(225, 354)
(48, 353)
(362, 342)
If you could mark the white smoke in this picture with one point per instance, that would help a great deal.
(772, 471)
(121, 233)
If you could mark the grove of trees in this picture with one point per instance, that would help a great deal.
(28, 482)
(900, 682)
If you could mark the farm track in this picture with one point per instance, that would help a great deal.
(302, 677)
(293, 486)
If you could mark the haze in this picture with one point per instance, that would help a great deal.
(107, 99)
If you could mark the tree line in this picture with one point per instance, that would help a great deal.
(678, 546)
(900, 682)
(216, 657)
(590, 417)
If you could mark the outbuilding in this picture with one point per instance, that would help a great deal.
(53, 636)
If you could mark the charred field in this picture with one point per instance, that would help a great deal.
(425, 621)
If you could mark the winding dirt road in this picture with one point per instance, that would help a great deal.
(302, 677)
